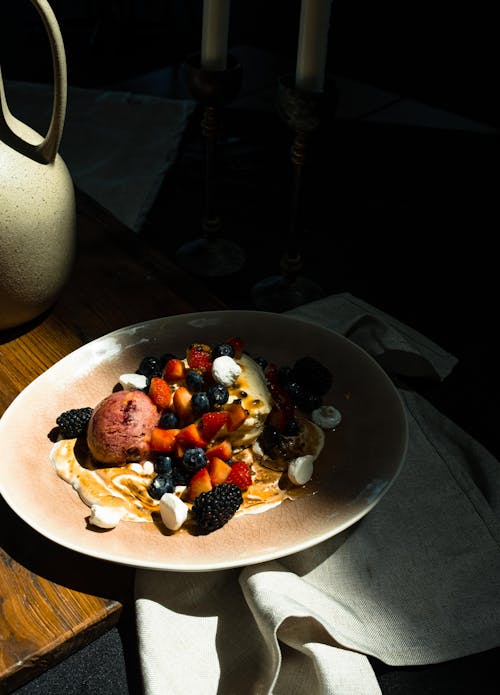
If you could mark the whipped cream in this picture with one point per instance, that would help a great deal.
(104, 516)
(133, 381)
(173, 511)
(225, 370)
(300, 470)
(327, 417)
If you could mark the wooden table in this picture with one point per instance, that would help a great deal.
(54, 601)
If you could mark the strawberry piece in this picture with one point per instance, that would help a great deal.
(236, 416)
(199, 357)
(237, 344)
(271, 374)
(212, 422)
(223, 450)
(163, 440)
(181, 402)
(190, 437)
(240, 475)
(283, 401)
(277, 418)
(160, 392)
(218, 470)
(174, 370)
(200, 482)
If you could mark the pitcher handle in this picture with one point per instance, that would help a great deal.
(47, 150)
(49, 146)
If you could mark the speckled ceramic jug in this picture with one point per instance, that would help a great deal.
(37, 201)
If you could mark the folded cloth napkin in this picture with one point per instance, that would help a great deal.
(117, 145)
(416, 581)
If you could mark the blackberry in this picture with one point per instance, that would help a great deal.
(73, 423)
(222, 349)
(215, 508)
(295, 391)
(312, 375)
(150, 367)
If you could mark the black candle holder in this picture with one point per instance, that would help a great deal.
(211, 255)
(302, 111)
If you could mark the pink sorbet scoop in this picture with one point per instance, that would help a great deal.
(119, 430)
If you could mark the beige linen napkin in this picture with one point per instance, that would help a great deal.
(117, 146)
(416, 581)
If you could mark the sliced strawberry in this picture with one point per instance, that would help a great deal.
(237, 344)
(200, 482)
(160, 392)
(240, 475)
(223, 450)
(181, 402)
(190, 437)
(236, 416)
(163, 440)
(199, 357)
(174, 370)
(212, 422)
(218, 470)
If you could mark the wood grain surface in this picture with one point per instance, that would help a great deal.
(54, 601)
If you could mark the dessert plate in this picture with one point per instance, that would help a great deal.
(361, 458)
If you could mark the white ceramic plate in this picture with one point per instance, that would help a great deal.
(360, 460)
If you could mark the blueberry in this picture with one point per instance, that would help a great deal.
(200, 403)
(180, 476)
(270, 439)
(261, 361)
(168, 420)
(160, 485)
(217, 395)
(194, 380)
(222, 350)
(194, 459)
(295, 391)
(163, 465)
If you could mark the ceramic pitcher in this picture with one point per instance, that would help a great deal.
(37, 201)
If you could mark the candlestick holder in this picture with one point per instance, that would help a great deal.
(210, 254)
(302, 112)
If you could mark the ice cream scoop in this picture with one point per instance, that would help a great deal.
(119, 430)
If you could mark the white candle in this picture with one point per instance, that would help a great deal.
(214, 34)
(312, 45)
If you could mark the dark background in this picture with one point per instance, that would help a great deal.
(442, 53)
